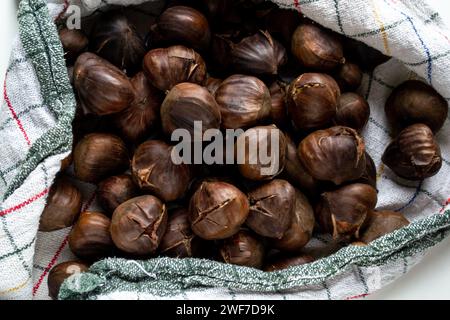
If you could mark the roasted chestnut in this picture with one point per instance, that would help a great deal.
(312, 101)
(381, 223)
(115, 39)
(261, 153)
(99, 155)
(90, 238)
(63, 206)
(217, 210)
(301, 228)
(61, 272)
(186, 26)
(286, 262)
(102, 88)
(168, 67)
(353, 111)
(179, 241)
(316, 47)
(258, 54)
(187, 103)
(336, 154)
(416, 102)
(135, 122)
(212, 84)
(74, 42)
(243, 249)
(414, 154)
(154, 171)
(244, 101)
(272, 208)
(370, 173)
(138, 225)
(342, 212)
(278, 111)
(115, 190)
(349, 77)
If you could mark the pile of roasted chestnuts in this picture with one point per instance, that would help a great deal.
(228, 64)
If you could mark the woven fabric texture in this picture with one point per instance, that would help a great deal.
(38, 106)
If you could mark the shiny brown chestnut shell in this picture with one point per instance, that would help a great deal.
(312, 101)
(179, 241)
(99, 155)
(343, 212)
(349, 77)
(212, 84)
(272, 208)
(186, 26)
(63, 206)
(282, 263)
(102, 88)
(353, 111)
(115, 39)
(316, 47)
(336, 154)
(414, 154)
(138, 225)
(154, 171)
(370, 173)
(243, 249)
(187, 103)
(278, 111)
(244, 101)
(89, 238)
(137, 121)
(416, 102)
(217, 210)
(115, 190)
(381, 223)
(61, 272)
(258, 54)
(167, 67)
(249, 146)
(301, 228)
(74, 42)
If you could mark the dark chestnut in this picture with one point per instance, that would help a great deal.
(353, 111)
(416, 102)
(301, 228)
(187, 103)
(217, 210)
(366, 57)
(74, 43)
(349, 77)
(381, 223)
(258, 54)
(286, 262)
(167, 67)
(61, 272)
(343, 212)
(138, 225)
(414, 154)
(282, 23)
(212, 84)
(99, 155)
(63, 206)
(244, 101)
(115, 39)
(90, 238)
(313, 100)
(336, 154)
(179, 241)
(243, 249)
(278, 111)
(136, 122)
(261, 153)
(370, 173)
(102, 88)
(186, 26)
(154, 171)
(272, 208)
(316, 47)
(115, 190)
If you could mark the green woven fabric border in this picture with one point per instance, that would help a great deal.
(41, 43)
(168, 277)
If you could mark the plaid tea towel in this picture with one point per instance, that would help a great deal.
(35, 135)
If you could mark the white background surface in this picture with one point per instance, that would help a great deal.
(429, 280)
